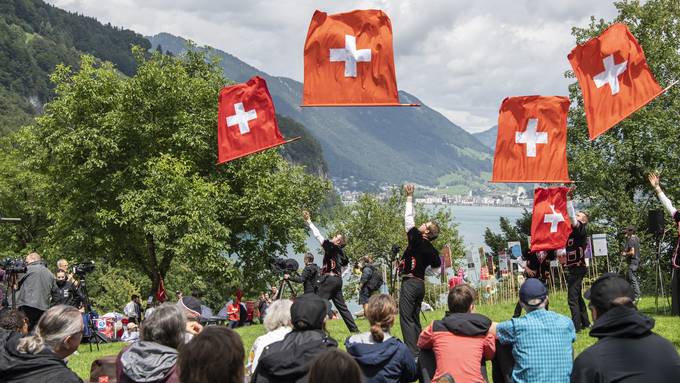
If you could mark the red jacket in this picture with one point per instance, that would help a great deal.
(460, 342)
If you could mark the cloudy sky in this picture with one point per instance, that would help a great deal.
(460, 57)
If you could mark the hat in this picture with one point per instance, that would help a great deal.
(606, 289)
(309, 309)
(191, 306)
(532, 292)
(630, 229)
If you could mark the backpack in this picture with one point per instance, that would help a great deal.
(376, 280)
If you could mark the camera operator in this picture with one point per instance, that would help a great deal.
(62, 264)
(66, 293)
(370, 281)
(34, 289)
(309, 275)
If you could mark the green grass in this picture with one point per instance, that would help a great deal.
(666, 326)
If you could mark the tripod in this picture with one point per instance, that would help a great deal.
(88, 315)
(285, 282)
(658, 277)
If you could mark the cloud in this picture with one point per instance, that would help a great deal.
(462, 58)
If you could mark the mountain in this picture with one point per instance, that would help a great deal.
(377, 144)
(488, 137)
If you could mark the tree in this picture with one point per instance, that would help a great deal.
(132, 180)
(612, 169)
(520, 232)
(373, 226)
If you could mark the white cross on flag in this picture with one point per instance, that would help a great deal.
(531, 137)
(350, 55)
(550, 226)
(246, 120)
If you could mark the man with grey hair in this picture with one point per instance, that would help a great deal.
(541, 340)
(34, 289)
(278, 324)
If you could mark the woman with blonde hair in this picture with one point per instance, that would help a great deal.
(382, 357)
(40, 357)
(278, 324)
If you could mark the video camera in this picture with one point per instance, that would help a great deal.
(13, 266)
(83, 268)
(396, 249)
(284, 265)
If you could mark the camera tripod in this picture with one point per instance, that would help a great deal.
(658, 277)
(285, 282)
(88, 315)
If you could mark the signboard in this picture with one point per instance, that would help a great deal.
(515, 249)
(503, 263)
(600, 245)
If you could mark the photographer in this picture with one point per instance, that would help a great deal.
(370, 281)
(65, 292)
(34, 290)
(309, 275)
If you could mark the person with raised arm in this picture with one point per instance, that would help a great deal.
(576, 266)
(419, 254)
(330, 282)
(675, 260)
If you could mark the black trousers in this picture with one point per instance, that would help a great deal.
(579, 311)
(33, 314)
(633, 279)
(675, 292)
(410, 298)
(331, 288)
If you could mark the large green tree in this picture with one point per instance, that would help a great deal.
(132, 180)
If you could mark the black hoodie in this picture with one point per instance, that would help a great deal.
(626, 351)
(44, 366)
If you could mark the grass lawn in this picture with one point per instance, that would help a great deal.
(667, 326)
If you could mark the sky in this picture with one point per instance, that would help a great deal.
(460, 57)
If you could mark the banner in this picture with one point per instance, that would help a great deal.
(600, 245)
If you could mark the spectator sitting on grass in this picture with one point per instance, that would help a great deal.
(382, 357)
(462, 340)
(154, 357)
(627, 350)
(336, 366)
(289, 360)
(40, 357)
(213, 356)
(14, 320)
(278, 324)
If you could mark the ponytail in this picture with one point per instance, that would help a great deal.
(32, 344)
(56, 324)
(377, 332)
(380, 312)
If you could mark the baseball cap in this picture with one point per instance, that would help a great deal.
(191, 306)
(607, 288)
(309, 309)
(532, 292)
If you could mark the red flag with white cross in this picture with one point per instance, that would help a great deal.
(246, 120)
(550, 223)
(532, 140)
(614, 77)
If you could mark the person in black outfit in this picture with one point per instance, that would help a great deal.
(65, 292)
(369, 282)
(309, 275)
(537, 266)
(631, 253)
(419, 254)
(626, 350)
(675, 258)
(330, 282)
(576, 267)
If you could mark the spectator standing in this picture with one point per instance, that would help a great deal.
(541, 340)
(62, 264)
(462, 340)
(133, 310)
(40, 357)
(34, 289)
(65, 292)
(382, 357)
(213, 356)
(263, 305)
(631, 253)
(278, 324)
(154, 357)
(370, 280)
(334, 366)
(626, 350)
(233, 313)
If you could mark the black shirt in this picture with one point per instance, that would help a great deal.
(419, 254)
(333, 258)
(540, 263)
(308, 277)
(66, 294)
(576, 245)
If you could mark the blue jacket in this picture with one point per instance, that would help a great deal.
(387, 361)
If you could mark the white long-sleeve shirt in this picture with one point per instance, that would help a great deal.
(667, 204)
(571, 212)
(409, 214)
(315, 232)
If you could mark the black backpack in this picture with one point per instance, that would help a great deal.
(376, 280)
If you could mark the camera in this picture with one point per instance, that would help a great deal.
(285, 265)
(396, 249)
(13, 266)
(83, 268)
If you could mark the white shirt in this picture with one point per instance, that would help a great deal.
(263, 341)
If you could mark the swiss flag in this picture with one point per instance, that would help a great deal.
(349, 60)
(550, 223)
(614, 78)
(532, 140)
(246, 120)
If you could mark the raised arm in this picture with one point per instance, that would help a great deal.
(315, 232)
(656, 184)
(409, 213)
(570, 209)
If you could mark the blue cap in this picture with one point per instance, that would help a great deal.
(532, 292)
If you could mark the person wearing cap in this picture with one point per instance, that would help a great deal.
(675, 259)
(576, 266)
(290, 359)
(192, 311)
(541, 340)
(627, 350)
(330, 283)
(631, 253)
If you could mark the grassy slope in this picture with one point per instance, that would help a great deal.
(667, 326)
